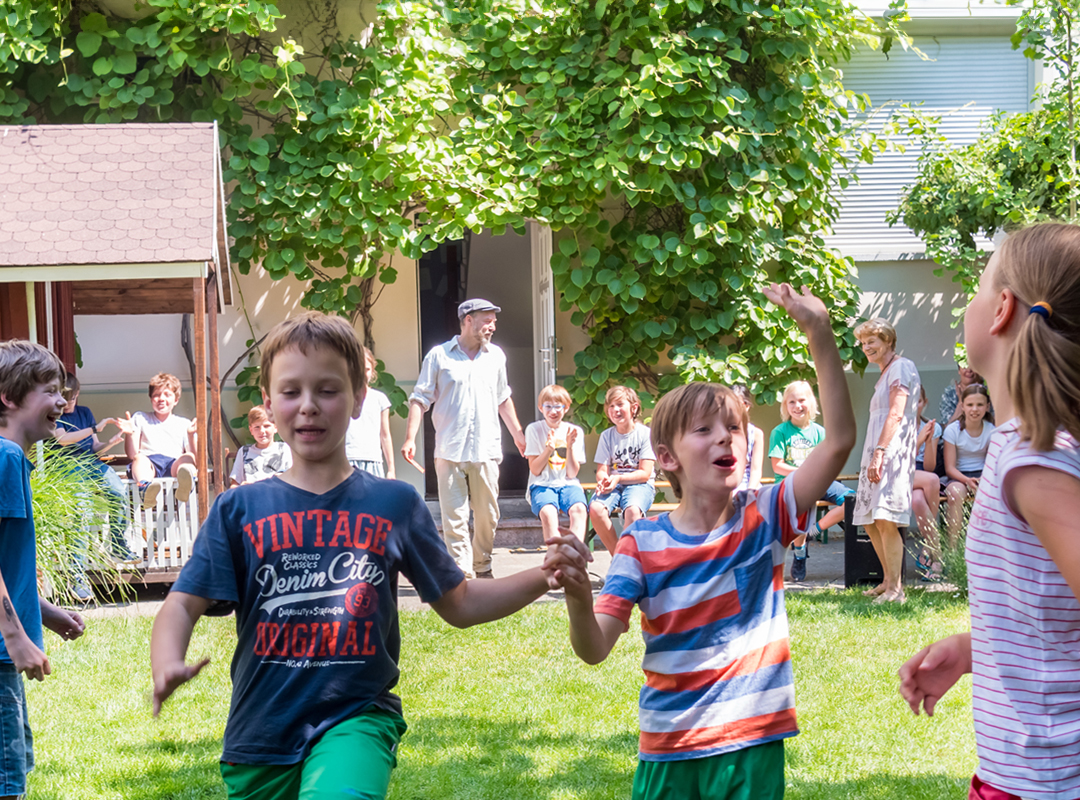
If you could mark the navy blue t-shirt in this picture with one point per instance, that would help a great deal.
(81, 417)
(18, 549)
(313, 581)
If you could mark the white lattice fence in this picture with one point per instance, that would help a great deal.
(163, 535)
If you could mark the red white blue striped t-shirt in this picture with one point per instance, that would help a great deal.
(717, 661)
(1025, 635)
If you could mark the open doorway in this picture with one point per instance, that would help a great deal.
(499, 269)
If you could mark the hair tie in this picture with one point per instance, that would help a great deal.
(1043, 309)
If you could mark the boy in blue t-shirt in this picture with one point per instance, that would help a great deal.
(309, 560)
(31, 402)
(719, 693)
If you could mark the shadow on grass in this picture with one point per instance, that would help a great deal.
(881, 787)
(851, 602)
(159, 770)
(468, 757)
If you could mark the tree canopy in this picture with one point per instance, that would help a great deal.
(1021, 170)
(687, 151)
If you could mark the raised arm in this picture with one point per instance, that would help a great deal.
(758, 459)
(169, 642)
(827, 459)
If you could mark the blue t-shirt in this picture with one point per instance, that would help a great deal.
(82, 417)
(18, 552)
(313, 581)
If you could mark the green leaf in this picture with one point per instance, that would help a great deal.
(88, 43)
(102, 66)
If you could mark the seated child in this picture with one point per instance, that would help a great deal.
(163, 444)
(264, 459)
(966, 443)
(755, 441)
(31, 380)
(555, 449)
(926, 491)
(309, 560)
(78, 430)
(368, 440)
(624, 472)
(790, 443)
(719, 694)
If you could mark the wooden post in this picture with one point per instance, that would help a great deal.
(218, 460)
(199, 290)
(31, 313)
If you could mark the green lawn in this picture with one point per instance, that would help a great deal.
(506, 711)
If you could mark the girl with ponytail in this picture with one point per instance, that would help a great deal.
(1022, 330)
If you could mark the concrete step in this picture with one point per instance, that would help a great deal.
(517, 525)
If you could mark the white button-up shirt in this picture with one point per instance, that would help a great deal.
(466, 394)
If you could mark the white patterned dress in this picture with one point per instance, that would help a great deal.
(890, 498)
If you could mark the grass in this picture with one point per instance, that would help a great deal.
(506, 711)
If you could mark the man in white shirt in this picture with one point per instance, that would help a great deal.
(464, 381)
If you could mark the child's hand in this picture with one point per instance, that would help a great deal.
(925, 433)
(126, 426)
(571, 437)
(566, 563)
(807, 310)
(66, 624)
(931, 672)
(171, 677)
(28, 657)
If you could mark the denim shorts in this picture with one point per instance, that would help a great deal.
(562, 497)
(836, 493)
(16, 742)
(623, 496)
(162, 466)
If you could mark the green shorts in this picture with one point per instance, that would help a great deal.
(352, 759)
(753, 773)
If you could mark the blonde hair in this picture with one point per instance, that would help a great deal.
(677, 409)
(163, 380)
(553, 393)
(811, 403)
(315, 329)
(1042, 264)
(23, 367)
(878, 327)
(256, 415)
(369, 358)
(616, 393)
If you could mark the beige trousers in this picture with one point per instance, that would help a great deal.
(462, 484)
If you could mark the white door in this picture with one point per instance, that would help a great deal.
(546, 350)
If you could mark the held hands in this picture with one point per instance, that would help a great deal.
(566, 563)
(931, 672)
(171, 677)
(807, 311)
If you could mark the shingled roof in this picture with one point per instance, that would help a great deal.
(128, 194)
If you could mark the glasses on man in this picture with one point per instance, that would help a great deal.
(552, 407)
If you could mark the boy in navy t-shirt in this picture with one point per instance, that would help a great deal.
(309, 560)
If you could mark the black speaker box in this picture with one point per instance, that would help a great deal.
(861, 564)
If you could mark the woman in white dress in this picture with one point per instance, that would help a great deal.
(883, 501)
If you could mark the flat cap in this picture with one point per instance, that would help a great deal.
(474, 305)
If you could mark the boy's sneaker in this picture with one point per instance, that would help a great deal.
(149, 491)
(82, 591)
(798, 564)
(185, 480)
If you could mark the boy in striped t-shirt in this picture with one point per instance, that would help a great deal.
(719, 696)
